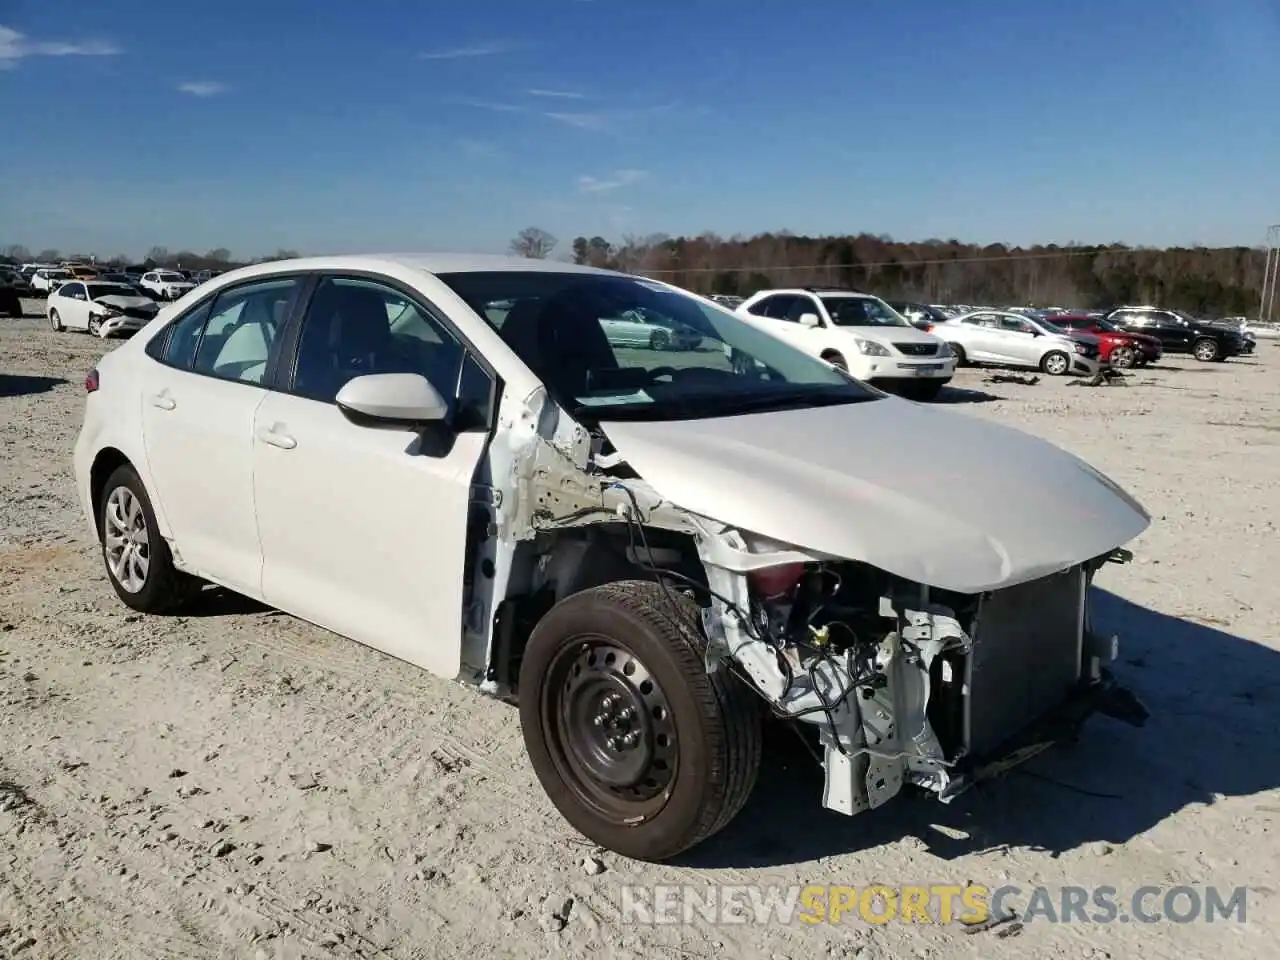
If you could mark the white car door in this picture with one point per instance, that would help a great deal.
(71, 308)
(198, 405)
(364, 528)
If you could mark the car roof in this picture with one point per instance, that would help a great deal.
(433, 263)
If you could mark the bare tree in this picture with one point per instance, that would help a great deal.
(49, 255)
(533, 242)
(158, 255)
(17, 252)
(219, 255)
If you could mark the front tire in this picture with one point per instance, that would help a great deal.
(55, 321)
(1122, 358)
(1055, 363)
(95, 326)
(639, 748)
(139, 564)
(659, 340)
(1206, 350)
(836, 360)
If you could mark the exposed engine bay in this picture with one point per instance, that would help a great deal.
(900, 683)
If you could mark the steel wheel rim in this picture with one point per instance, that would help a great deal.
(597, 691)
(126, 541)
(1056, 364)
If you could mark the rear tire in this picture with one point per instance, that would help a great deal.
(139, 564)
(659, 340)
(639, 748)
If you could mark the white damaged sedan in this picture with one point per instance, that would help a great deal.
(647, 551)
(102, 309)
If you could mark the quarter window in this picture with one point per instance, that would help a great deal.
(184, 337)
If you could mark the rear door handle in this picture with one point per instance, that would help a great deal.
(276, 438)
(163, 402)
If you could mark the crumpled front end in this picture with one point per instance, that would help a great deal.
(906, 684)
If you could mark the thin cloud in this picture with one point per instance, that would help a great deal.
(202, 88)
(492, 49)
(495, 105)
(604, 121)
(16, 47)
(556, 94)
(620, 178)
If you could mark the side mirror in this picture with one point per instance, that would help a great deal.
(392, 399)
(810, 320)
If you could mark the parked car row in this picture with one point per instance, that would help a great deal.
(42, 279)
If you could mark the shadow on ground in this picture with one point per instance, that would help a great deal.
(965, 395)
(1212, 697)
(21, 386)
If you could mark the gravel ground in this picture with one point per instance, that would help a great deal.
(235, 783)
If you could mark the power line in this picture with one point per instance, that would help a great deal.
(1010, 258)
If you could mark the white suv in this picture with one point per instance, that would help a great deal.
(856, 332)
(166, 284)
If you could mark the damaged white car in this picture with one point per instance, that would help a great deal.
(445, 458)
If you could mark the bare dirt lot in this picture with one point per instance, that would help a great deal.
(234, 783)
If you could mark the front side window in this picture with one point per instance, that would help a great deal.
(862, 312)
(242, 326)
(356, 327)
(73, 290)
(709, 362)
(1016, 325)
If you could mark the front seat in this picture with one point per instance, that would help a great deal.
(347, 334)
(574, 344)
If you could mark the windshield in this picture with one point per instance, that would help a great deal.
(618, 347)
(862, 312)
(171, 277)
(97, 290)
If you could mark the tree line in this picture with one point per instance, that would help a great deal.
(1224, 281)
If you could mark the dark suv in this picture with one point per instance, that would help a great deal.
(1179, 332)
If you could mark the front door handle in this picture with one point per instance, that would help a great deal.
(163, 402)
(276, 438)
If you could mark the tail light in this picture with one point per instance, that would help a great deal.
(91, 381)
(771, 582)
(928, 327)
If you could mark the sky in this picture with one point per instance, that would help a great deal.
(329, 127)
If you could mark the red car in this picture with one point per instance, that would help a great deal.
(1116, 347)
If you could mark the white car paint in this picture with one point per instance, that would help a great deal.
(364, 528)
(46, 280)
(166, 284)
(868, 351)
(104, 309)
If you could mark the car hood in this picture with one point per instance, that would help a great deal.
(122, 302)
(887, 335)
(933, 496)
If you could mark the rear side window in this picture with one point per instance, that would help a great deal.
(241, 328)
